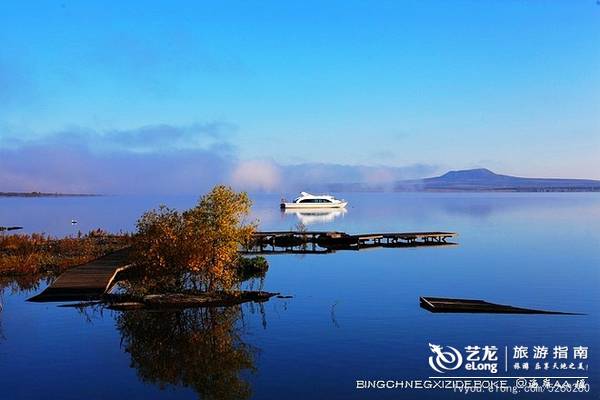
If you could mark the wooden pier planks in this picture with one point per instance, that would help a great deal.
(87, 281)
(306, 242)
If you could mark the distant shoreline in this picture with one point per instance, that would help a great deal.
(518, 190)
(42, 194)
(459, 190)
(380, 189)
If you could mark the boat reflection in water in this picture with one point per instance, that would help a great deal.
(311, 216)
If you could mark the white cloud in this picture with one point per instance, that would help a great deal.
(169, 159)
(256, 175)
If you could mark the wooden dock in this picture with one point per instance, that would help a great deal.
(92, 280)
(324, 242)
(446, 305)
(86, 282)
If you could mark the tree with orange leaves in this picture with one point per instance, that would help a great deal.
(196, 249)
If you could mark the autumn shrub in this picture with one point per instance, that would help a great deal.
(195, 249)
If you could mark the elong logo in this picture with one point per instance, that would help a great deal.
(443, 361)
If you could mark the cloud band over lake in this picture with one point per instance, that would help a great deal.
(166, 158)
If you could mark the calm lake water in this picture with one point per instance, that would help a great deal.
(353, 315)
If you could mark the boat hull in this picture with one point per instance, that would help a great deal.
(313, 205)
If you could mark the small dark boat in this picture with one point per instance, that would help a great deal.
(289, 240)
(446, 305)
(336, 239)
(10, 228)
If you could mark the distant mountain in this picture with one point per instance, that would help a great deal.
(482, 179)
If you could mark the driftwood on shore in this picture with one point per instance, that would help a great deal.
(181, 300)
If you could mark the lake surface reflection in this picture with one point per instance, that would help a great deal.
(308, 217)
(197, 348)
(353, 315)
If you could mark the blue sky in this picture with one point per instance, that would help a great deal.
(420, 86)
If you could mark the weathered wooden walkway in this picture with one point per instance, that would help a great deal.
(324, 242)
(86, 282)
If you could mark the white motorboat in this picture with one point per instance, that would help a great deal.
(307, 200)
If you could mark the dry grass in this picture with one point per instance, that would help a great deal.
(36, 253)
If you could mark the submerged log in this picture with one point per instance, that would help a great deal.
(181, 300)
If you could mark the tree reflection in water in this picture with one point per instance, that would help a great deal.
(198, 348)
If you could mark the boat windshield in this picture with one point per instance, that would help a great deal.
(314, 201)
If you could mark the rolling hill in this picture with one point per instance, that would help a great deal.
(482, 179)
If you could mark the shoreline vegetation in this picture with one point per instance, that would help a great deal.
(46, 194)
(180, 259)
(31, 254)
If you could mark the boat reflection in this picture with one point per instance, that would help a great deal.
(312, 216)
